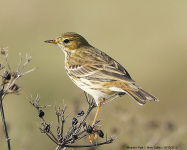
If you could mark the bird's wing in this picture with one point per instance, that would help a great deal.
(101, 71)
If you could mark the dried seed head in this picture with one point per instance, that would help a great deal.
(80, 113)
(89, 129)
(84, 124)
(74, 121)
(6, 75)
(47, 128)
(14, 89)
(28, 57)
(74, 137)
(41, 113)
(100, 133)
(59, 137)
(4, 50)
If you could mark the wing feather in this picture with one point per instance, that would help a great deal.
(96, 65)
(101, 72)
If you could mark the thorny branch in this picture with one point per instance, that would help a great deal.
(78, 129)
(8, 85)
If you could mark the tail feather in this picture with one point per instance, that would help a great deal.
(141, 96)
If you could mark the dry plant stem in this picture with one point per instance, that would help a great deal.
(63, 120)
(53, 135)
(52, 138)
(93, 145)
(65, 146)
(74, 132)
(7, 62)
(84, 119)
(2, 95)
(3, 120)
(9, 84)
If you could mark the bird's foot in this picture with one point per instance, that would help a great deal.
(91, 131)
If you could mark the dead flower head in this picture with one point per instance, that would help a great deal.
(28, 57)
(14, 89)
(4, 50)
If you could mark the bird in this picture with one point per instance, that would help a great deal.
(95, 72)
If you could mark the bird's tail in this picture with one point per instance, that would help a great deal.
(141, 96)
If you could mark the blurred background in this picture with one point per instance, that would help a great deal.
(147, 37)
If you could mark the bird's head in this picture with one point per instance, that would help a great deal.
(69, 41)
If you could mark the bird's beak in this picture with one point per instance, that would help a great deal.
(51, 41)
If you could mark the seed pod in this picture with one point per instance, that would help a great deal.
(80, 113)
(100, 133)
(74, 137)
(41, 113)
(74, 121)
(47, 128)
(89, 129)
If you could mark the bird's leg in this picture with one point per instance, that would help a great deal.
(90, 138)
(95, 134)
(98, 108)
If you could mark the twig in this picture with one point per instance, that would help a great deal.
(9, 86)
(76, 131)
(3, 120)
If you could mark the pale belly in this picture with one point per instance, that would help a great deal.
(97, 91)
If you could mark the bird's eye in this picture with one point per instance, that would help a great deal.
(66, 41)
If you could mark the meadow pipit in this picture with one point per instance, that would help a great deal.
(95, 72)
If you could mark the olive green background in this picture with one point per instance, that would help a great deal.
(149, 38)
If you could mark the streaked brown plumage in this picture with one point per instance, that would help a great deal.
(95, 72)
